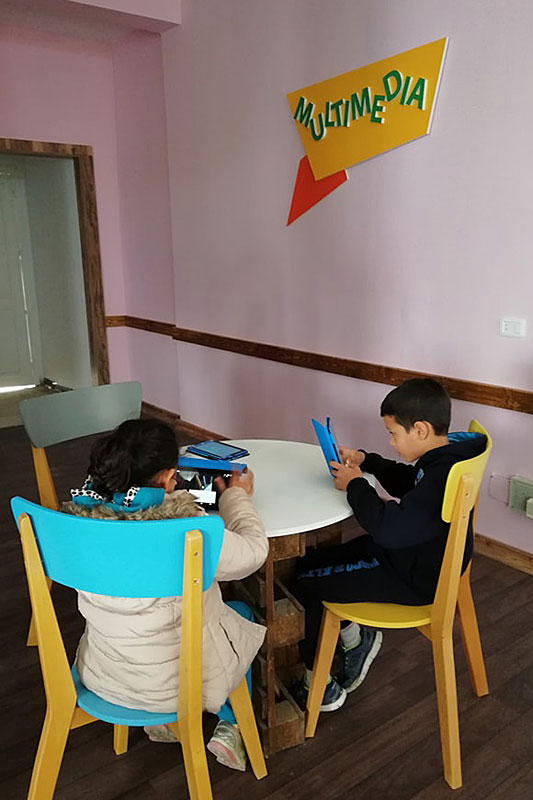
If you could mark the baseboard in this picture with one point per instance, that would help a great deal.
(170, 417)
(187, 431)
(505, 553)
(191, 432)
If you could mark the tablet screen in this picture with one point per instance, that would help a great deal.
(200, 483)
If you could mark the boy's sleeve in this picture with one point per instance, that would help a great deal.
(245, 544)
(396, 479)
(394, 525)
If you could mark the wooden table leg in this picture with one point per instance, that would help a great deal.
(270, 659)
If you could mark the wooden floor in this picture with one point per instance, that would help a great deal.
(382, 745)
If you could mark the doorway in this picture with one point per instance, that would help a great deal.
(52, 318)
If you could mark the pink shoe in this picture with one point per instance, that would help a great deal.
(227, 746)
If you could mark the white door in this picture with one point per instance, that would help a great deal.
(17, 357)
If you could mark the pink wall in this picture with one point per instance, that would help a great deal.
(109, 96)
(143, 176)
(410, 264)
(145, 213)
(59, 89)
(164, 10)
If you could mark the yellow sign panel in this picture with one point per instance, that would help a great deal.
(367, 111)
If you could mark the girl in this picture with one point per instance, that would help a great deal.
(129, 652)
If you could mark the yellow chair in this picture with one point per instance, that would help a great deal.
(60, 417)
(163, 558)
(435, 621)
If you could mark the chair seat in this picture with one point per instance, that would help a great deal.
(382, 615)
(110, 712)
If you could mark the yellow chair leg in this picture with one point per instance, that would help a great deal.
(31, 641)
(241, 704)
(447, 705)
(194, 757)
(49, 756)
(470, 636)
(329, 633)
(120, 739)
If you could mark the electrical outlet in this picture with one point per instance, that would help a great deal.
(499, 488)
(520, 490)
(513, 327)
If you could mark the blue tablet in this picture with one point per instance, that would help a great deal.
(217, 450)
(196, 475)
(327, 442)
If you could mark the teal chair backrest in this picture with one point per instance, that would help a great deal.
(59, 417)
(119, 558)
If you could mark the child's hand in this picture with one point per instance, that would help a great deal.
(243, 479)
(343, 474)
(352, 458)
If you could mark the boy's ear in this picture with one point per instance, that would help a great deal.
(423, 429)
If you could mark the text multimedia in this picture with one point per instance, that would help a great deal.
(342, 112)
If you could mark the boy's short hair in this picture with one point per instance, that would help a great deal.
(419, 400)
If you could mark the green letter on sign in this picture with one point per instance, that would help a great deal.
(302, 114)
(419, 94)
(377, 107)
(363, 105)
(398, 77)
(318, 136)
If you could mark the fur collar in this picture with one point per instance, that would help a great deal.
(179, 504)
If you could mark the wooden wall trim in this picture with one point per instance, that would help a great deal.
(82, 156)
(187, 431)
(92, 267)
(151, 325)
(506, 553)
(469, 391)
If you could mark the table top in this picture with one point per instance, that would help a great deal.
(293, 489)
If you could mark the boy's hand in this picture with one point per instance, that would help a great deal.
(352, 458)
(243, 479)
(343, 474)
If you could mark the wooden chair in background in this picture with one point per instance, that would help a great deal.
(434, 621)
(163, 558)
(54, 418)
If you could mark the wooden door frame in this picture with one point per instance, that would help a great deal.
(82, 156)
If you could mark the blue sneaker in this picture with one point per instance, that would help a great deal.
(357, 660)
(334, 695)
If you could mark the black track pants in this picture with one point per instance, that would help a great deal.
(347, 573)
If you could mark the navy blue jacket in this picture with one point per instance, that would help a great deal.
(410, 536)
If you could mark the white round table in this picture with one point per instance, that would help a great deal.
(293, 490)
(293, 493)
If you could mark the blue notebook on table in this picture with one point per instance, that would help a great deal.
(217, 450)
(326, 440)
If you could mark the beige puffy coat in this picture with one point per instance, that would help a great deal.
(129, 652)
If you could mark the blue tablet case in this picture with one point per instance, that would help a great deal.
(204, 465)
(215, 450)
(327, 441)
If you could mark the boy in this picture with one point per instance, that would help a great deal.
(399, 558)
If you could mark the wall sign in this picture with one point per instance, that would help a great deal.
(367, 111)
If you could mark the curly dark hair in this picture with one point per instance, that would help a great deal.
(132, 455)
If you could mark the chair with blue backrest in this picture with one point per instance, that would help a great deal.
(434, 621)
(163, 558)
(60, 417)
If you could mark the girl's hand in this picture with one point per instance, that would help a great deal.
(352, 458)
(243, 479)
(343, 474)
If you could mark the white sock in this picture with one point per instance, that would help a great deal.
(308, 675)
(351, 636)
